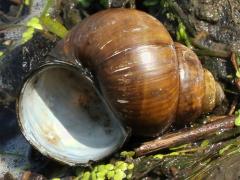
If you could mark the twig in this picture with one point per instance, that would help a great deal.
(203, 50)
(20, 10)
(233, 106)
(236, 67)
(206, 51)
(231, 92)
(186, 136)
(212, 118)
(212, 53)
(234, 61)
(178, 10)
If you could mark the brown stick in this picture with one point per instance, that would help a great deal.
(233, 106)
(200, 49)
(234, 61)
(236, 67)
(186, 136)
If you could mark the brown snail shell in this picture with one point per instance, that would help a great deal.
(146, 80)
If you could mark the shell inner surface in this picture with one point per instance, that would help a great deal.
(64, 117)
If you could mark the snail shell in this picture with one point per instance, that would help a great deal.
(148, 80)
(138, 77)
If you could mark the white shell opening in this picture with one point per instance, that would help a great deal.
(63, 116)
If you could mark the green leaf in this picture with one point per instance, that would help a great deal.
(48, 5)
(102, 173)
(182, 34)
(179, 147)
(110, 174)
(174, 154)
(119, 175)
(109, 167)
(150, 2)
(158, 156)
(53, 26)
(104, 3)
(237, 112)
(101, 167)
(93, 176)
(238, 73)
(34, 23)
(129, 176)
(123, 166)
(221, 151)
(27, 2)
(27, 35)
(130, 166)
(127, 154)
(1, 53)
(237, 121)
(118, 163)
(85, 3)
(86, 175)
(204, 143)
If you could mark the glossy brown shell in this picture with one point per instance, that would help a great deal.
(133, 59)
(191, 91)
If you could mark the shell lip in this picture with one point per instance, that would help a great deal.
(126, 131)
